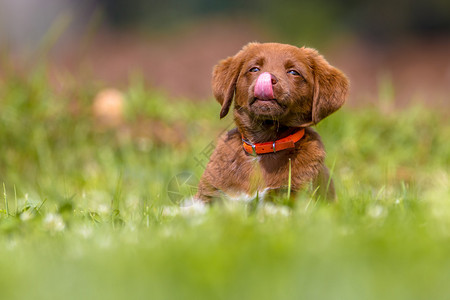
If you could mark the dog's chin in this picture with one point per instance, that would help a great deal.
(269, 109)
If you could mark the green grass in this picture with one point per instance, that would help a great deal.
(85, 212)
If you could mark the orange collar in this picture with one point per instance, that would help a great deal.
(272, 147)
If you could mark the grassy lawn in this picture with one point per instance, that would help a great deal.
(93, 213)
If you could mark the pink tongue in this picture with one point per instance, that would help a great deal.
(263, 87)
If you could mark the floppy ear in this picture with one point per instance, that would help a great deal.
(330, 87)
(225, 75)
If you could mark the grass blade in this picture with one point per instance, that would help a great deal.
(6, 200)
(289, 181)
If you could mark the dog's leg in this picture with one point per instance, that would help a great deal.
(323, 185)
(206, 192)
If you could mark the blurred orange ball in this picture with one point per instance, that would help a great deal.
(108, 107)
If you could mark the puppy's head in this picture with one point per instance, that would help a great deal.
(295, 86)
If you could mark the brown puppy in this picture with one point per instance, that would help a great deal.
(279, 91)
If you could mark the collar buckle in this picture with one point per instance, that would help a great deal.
(251, 145)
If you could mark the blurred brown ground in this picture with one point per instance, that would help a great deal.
(180, 63)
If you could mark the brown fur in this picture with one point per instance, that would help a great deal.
(301, 101)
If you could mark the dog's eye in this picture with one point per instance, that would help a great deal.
(254, 69)
(293, 72)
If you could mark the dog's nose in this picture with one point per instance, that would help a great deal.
(263, 86)
(274, 79)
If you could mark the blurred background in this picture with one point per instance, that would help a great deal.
(397, 49)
